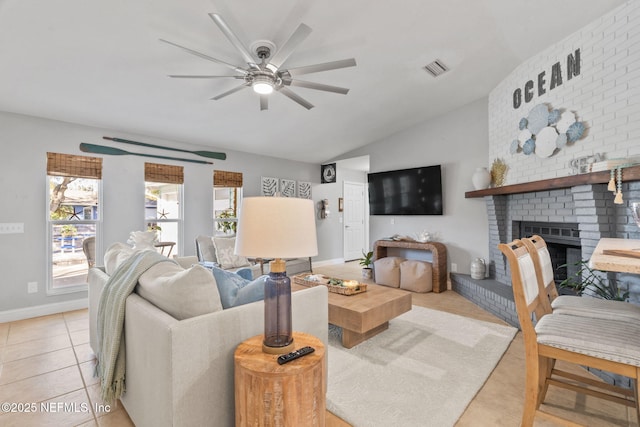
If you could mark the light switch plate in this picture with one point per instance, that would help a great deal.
(11, 227)
(32, 287)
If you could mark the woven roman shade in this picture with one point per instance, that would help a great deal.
(74, 166)
(167, 174)
(227, 179)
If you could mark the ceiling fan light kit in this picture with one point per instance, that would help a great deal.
(266, 77)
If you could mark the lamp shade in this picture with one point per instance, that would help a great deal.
(276, 227)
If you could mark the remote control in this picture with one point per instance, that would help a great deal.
(295, 354)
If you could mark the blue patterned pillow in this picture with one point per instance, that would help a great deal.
(235, 290)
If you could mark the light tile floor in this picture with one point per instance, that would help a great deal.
(46, 374)
(47, 361)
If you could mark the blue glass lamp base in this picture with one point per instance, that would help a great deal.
(278, 332)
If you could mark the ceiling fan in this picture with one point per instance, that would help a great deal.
(267, 75)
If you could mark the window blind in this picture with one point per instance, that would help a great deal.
(168, 174)
(76, 166)
(227, 179)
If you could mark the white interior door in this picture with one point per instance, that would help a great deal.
(354, 224)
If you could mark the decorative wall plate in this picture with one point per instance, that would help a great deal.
(566, 119)
(546, 142)
(538, 118)
(523, 136)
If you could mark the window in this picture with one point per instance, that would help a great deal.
(163, 204)
(73, 219)
(227, 193)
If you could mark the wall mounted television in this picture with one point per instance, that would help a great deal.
(416, 191)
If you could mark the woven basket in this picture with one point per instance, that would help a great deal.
(342, 290)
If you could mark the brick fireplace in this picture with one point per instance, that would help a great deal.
(577, 217)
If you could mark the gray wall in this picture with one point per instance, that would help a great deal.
(457, 141)
(25, 141)
(330, 230)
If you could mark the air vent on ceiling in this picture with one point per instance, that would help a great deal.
(436, 68)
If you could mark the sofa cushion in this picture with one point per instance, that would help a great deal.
(143, 240)
(115, 255)
(416, 276)
(225, 253)
(387, 271)
(236, 290)
(179, 292)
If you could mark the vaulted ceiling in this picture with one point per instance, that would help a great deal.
(101, 63)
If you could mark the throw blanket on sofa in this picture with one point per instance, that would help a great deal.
(111, 352)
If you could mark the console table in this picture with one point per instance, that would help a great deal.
(439, 263)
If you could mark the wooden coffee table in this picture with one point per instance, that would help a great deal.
(364, 315)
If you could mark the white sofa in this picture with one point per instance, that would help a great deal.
(180, 372)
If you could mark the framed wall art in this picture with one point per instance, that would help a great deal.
(269, 186)
(287, 187)
(328, 173)
(304, 190)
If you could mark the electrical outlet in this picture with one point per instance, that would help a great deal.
(393, 221)
(454, 267)
(11, 227)
(32, 287)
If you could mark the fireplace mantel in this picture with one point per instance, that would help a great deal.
(631, 173)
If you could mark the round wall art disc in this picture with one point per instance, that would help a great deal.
(538, 118)
(546, 142)
(566, 119)
(523, 136)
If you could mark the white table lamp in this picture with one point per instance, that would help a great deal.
(277, 227)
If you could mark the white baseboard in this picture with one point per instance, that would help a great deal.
(43, 310)
(328, 262)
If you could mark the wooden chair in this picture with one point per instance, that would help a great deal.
(604, 344)
(574, 305)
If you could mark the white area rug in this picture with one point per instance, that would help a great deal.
(423, 371)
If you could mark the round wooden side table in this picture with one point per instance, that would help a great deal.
(269, 394)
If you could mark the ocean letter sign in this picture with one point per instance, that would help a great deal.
(573, 69)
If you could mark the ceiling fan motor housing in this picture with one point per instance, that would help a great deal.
(263, 52)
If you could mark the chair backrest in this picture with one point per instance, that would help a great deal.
(205, 249)
(89, 249)
(542, 261)
(526, 290)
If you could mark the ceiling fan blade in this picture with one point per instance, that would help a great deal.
(298, 36)
(264, 102)
(334, 65)
(191, 76)
(317, 86)
(229, 92)
(235, 41)
(297, 98)
(207, 57)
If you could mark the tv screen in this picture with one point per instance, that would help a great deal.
(416, 191)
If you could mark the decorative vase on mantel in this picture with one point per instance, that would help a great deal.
(481, 178)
